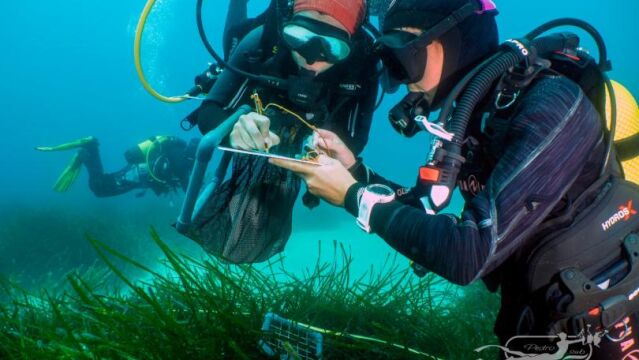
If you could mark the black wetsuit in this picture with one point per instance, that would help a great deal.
(553, 149)
(348, 113)
(345, 106)
(135, 175)
(249, 217)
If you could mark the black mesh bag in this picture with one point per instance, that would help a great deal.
(248, 218)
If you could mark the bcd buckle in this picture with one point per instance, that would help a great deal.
(501, 95)
(607, 306)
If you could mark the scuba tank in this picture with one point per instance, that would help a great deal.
(155, 154)
(627, 132)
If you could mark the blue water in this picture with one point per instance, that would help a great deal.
(66, 71)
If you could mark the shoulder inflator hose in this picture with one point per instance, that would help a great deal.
(138, 59)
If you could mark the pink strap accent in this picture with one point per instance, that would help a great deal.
(487, 6)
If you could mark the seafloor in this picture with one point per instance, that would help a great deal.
(189, 307)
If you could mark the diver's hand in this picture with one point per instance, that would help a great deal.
(330, 180)
(332, 145)
(251, 132)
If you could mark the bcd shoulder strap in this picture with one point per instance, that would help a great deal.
(511, 88)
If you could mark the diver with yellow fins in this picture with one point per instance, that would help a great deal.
(160, 163)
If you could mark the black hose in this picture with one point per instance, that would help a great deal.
(479, 82)
(267, 80)
(447, 107)
(482, 83)
(613, 124)
(604, 64)
(477, 90)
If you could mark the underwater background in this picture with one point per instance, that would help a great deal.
(66, 71)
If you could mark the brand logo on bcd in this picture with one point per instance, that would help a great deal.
(624, 213)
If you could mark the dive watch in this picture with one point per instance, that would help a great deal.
(370, 196)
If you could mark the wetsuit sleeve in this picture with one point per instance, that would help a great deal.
(229, 88)
(548, 146)
(366, 175)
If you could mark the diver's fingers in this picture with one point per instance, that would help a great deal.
(248, 140)
(43, 148)
(238, 138)
(326, 134)
(297, 167)
(326, 160)
(324, 139)
(237, 142)
(250, 132)
(263, 123)
(273, 139)
(318, 142)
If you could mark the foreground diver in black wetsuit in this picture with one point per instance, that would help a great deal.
(160, 163)
(552, 151)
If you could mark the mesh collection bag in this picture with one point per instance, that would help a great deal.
(248, 218)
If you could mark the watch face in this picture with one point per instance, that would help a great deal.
(381, 190)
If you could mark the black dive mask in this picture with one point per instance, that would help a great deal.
(402, 116)
(404, 54)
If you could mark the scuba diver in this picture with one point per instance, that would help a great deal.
(321, 50)
(160, 163)
(548, 215)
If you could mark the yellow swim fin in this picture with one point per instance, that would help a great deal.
(70, 174)
(68, 146)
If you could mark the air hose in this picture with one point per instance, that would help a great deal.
(138, 59)
(484, 76)
(604, 63)
(476, 85)
(266, 80)
(477, 90)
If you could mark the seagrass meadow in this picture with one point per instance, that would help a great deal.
(190, 308)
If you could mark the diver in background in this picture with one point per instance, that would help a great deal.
(161, 163)
(526, 185)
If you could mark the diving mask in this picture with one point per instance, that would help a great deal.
(316, 41)
(405, 55)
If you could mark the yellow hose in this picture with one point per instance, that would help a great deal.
(138, 60)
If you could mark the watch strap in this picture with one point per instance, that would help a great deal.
(351, 201)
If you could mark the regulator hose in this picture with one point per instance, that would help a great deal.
(266, 80)
(478, 83)
(138, 59)
(604, 63)
(460, 87)
(477, 90)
